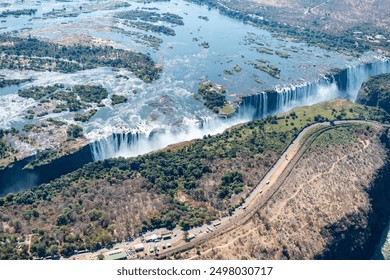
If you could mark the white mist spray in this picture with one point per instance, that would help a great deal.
(252, 107)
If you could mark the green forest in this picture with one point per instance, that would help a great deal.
(94, 193)
(69, 59)
(73, 98)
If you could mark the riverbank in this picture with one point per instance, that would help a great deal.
(185, 198)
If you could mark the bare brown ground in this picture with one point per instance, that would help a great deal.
(328, 183)
(331, 14)
(251, 168)
(123, 205)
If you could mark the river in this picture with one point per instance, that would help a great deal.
(165, 111)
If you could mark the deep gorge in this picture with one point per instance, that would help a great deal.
(343, 84)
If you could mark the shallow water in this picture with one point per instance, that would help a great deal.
(167, 103)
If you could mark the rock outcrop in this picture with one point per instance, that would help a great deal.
(334, 204)
(376, 92)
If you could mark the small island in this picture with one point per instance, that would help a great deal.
(270, 69)
(33, 54)
(213, 97)
(16, 144)
(12, 82)
(17, 13)
(205, 18)
(118, 99)
(63, 99)
(205, 45)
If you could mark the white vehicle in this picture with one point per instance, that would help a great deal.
(267, 182)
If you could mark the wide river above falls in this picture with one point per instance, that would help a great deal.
(167, 103)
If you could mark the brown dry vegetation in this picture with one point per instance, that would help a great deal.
(349, 26)
(326, 194)
(252, 168)
(91, 206)
(187, 185)
(328, 15)
(105, 211)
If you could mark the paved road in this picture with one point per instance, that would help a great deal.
(276, 175)
(269, 184)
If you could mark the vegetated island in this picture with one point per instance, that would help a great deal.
(12, 82)
(65, 138)
(213, 97)
(82, 101)
(17, 13)
(266, 67)
(33, 54)
(118, 99)
(7, 153)
(141, 20)
(59, 98)
(271, 52)
(33, 139)
(186, 185)
(136, 15)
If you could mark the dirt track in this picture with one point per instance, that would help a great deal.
(276, 176)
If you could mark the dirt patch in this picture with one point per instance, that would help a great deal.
(330, 184)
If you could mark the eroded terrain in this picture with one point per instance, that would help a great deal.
(323, 207)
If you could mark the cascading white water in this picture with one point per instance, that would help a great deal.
(344, 84)
(116, 144)
(307, 94)
(356, 75)
(133, 144)
(255, 106)
(283, 99)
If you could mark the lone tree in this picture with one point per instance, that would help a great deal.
(74, 131)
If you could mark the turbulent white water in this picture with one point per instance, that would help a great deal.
(355, 76)
(345, 85)
(165, 111)
(133, 144)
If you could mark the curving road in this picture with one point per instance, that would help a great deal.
(269, 184)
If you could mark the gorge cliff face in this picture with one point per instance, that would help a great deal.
(334, 204)
(351, 241)
(375, 91)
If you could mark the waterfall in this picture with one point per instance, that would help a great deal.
(346, 84)
(350, 80)
(286, 98)
(133, 144)
(306, 94)
(119, 144)
(255, 106)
